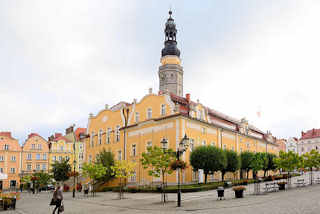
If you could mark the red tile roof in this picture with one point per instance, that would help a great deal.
(6, 134)
(313, 133)
(32, 135)
(79, 131)
(61, 138)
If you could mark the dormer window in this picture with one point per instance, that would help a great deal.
(149, 113)
(137, 117)
(163, 110)
(6, 147)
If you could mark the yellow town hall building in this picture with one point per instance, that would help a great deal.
(127, 129)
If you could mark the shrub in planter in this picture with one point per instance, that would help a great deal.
(238, 191)
(282, 185)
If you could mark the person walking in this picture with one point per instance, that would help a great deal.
(57, 197)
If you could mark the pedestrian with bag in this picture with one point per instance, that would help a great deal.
(57, 200)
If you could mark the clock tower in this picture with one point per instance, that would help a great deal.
(170, 70)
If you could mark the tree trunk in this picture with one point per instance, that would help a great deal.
(163, 188)
(222, 175)
(241, 173)
(311, 176)
(205, 177)
(248, 174)
(264, 173)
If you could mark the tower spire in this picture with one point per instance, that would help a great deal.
(170, 71)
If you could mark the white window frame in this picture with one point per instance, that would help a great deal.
(13, 158)
(163, 110)
(29, 156)
(134, 150)
(44, 157)
(100, 137)
(118, 133)
(108, 137)
(149, 113)
(38, 156)
(12, 170)
(29, 167)
(137, 117)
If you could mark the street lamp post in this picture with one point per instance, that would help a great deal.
(183, 145)
(125, 112)
(74, 164)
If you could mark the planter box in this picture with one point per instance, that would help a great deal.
(238, 193)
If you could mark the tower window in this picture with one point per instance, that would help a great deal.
(100, 136)
(108, 136)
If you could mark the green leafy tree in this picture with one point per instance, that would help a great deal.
(158, 163)
(107, 160)
(208, 158)
(44, 178)
(246, 159)
(123, 170)
(311, 160)
(61, 170)
(233, 163)
(94, 172)
(271, 164)
(288, 162)
(259, 160)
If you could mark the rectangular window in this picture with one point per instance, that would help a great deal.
(224, 146)
(134, 150)
(90, 158)
(29, 167)
(80, 147)
(44, 167)
(191, 145)
(1, 170)
(204, 143)
(91, 139)
(118, 133)
(29, 156)
(203, 130)
(39, 146)
(54, 158)
(6, 147)
(119, 155)
(163, 110)
(13, 170)
(44, 157)
(80, 156)
(33, 146)
(38, 167)
(13, 158)
(80, 167)
(195, 175)
(149, 113)
(137, 117)
(108, 135)
(60, 158)
(212, 143)
(133, 177)
(100, 137)
(38, 157)
(1, 158)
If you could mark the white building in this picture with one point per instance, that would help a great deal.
(292, 145)
(309, 140)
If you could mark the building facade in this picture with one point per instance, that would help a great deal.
(291, 145)
(35, 154)
(309, 140)
(282, 144)
(128, 129)
(10, 161)
(68, 147)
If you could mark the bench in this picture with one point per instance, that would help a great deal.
(273, 186)
(317, 180)
(300, 183)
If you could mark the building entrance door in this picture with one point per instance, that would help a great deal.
(13, 184)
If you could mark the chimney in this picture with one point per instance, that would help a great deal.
(150, 90)
(90, 115)
(106, 106)
(302, 133)
(69, 130)
(188, 97)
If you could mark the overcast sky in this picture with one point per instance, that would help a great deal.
(61, 60)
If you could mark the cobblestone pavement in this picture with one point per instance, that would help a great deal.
(304, 200)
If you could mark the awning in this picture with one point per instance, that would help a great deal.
(3, 176)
